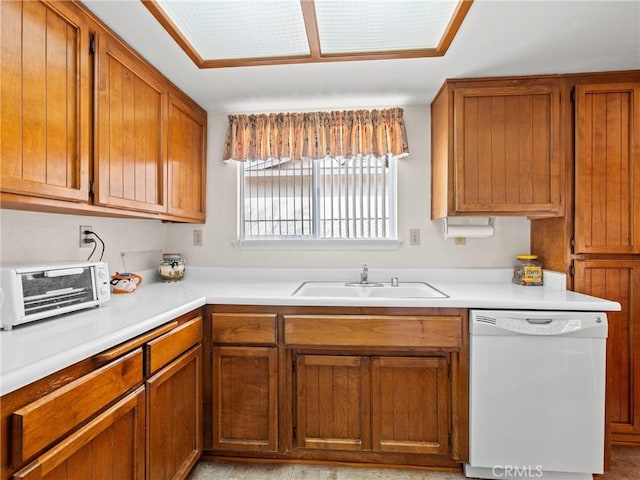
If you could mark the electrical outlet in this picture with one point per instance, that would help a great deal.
(84, 237)
(197, 238)
(460, 241)
(414, 236)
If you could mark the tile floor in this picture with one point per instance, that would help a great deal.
(625, 466)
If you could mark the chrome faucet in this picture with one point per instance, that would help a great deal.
(364, 275)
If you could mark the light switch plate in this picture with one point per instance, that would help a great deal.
(197, 238)
(414, 236)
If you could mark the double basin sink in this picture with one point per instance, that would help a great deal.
(368, 290)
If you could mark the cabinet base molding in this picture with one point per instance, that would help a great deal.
(625, 439)
(343, 459)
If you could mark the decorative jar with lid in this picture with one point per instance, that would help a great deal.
(527, 270)
(172, 267)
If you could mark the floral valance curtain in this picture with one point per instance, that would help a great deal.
(316, 135)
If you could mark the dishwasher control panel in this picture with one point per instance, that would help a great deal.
(501, 322)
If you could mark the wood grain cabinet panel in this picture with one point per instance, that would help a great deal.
(333, 402)
(162, 350)
(410, 404)
(187, 139)
(174, 417)
(374, 330)
(618, 280)
(245, 398)
(244, 328)
(607, 168)
(45, 109)
(38, 424)
(110, 446)
(129, 131)
(496, 149)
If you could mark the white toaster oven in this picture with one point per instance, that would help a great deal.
(34, 292)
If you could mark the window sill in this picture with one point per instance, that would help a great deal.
(351, 245)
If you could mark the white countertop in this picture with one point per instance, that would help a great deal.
(32, 351)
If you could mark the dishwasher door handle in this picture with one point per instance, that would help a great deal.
(539, 321)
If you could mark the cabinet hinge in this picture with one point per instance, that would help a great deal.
(295, 366)
(92, 43)
(572, 95)
(449, 370)
(572, 270)
(295, 432)
(572, 244)
(91, 191)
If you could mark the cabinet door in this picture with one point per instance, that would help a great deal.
(410, 408)
(607, 168)
(174, 413)
(110, 446)
(187, 131)
(507, 150)
(130, 141)
(618, 280)
(245, 399)
(45, 108)
(333, 402)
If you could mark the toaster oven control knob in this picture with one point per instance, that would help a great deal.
(101, 273)
(104, 290)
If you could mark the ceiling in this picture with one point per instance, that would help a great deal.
(497, 37)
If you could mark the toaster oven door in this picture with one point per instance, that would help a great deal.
(50, 292)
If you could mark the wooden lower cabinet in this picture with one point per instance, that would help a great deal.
(333, 402)
(133, 412)
(174, 417)
(245, 394)
(109, 446)
(370, 386)
(410, 404)
(384, 404)
(618, 280)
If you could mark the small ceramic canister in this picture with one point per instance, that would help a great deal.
(172, 267)
(125, 282)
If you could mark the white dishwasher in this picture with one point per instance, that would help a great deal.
(536, 394)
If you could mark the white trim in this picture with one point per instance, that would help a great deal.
(312, 244)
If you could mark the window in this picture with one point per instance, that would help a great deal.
(330, 198)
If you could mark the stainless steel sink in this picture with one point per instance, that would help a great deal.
(370, 290)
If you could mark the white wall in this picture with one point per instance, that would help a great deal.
(511, 237)
(38, 237)
(31, 236)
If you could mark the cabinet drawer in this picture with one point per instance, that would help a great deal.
(172, 344)
(42, 422)
(379, 331)
(244, 328)
(110, 444)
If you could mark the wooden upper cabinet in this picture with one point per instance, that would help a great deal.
(187, 138)
(496, 148)
(607, 168)
(129, 131)
(45, 108)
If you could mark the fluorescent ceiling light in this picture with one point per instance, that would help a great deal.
(380, 26)
(222, 33)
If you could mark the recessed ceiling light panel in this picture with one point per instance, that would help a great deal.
(231, 33)
(222, 29)
(381, 25)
